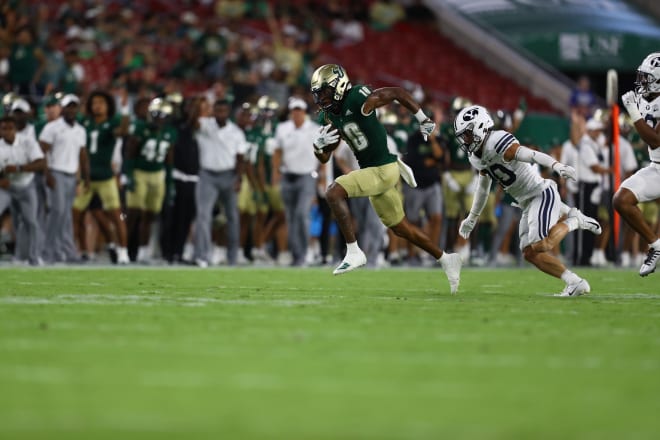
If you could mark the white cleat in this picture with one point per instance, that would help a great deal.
(451, 264)
(577, 289)
(585, 222)
(351, 262)
(648, 267)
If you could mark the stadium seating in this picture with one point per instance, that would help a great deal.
(424, 56)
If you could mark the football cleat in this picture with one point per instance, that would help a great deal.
(575, 289)
(648, 267)
(451, 264)
(351, 262)
(585, 222)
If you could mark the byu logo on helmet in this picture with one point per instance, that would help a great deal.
(470, 114)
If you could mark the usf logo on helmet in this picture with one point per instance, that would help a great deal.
(329, 86)
(648, 76)
(472, 125)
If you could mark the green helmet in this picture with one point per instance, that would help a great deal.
(329, 86)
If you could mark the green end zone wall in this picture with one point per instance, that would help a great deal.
(570, 35)
(543, 130)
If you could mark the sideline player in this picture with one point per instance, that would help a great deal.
(349, 112)
(498, 155)
(643, 106)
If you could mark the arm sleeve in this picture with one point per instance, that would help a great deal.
(481, 195)
(524, 154)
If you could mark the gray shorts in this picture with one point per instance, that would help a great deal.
(422, 202)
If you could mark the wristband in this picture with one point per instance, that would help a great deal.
(634, 114)
(420, 116)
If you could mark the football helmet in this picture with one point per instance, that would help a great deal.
(458, 104)
(329, 86)
(502, 120)
(472, 125)
(8, 100)
(267, 104)
(160, 109)
(648, 76)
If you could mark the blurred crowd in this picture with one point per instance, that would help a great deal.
(181, 131)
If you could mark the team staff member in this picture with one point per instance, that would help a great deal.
(294, 170)
(221, 146)
(63, 140)
(20, 157)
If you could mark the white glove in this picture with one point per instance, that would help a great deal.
(468, 225)
(451, 183)
(426, 127)
(631, 103)
(326, 137)
(564, 171)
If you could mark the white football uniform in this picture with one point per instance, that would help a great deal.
(645, 183)
(537, 197)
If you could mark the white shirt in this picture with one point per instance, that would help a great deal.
(297, 147)
(569, 156)
(28, 131)
(65, 141)
(23, 151)
(218, 146)
(590, 154)
(627, 158)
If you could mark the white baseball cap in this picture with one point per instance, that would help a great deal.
(20, 104)
(297, 103)
(69, 99)
(594, 124)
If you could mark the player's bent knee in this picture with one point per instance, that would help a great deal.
(530, 254)
(335, 192)
(542, 246)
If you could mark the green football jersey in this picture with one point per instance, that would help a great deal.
(101, 141)
(364, 134)
(257, 137)
(459, 158)
(153, 144)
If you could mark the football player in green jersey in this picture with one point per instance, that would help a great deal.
(457, 180)
(349, 112)
(104, 128)
(148, 168)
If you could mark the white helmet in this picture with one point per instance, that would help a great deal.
(474, 121)
(648, 76)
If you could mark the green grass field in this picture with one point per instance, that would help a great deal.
(100, 353)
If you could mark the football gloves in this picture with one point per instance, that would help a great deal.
(564, 171)
(631, 103)
(468, 225)
(426, 127)
(327, 136)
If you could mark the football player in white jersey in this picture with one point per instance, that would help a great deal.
(498, 155)
(643, 106)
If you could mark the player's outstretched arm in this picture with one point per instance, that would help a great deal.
(524, 154)
(387, 95)
(478, 204)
